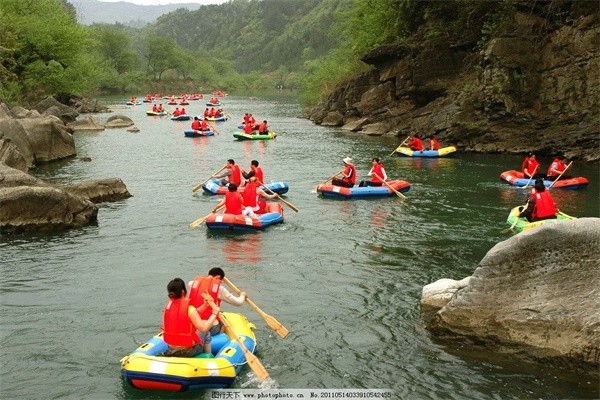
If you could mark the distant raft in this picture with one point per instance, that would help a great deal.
(407, 152)
(182, 117)
(523, 224)
(217, 104)
(244, 136)
(222, 118)
(273, 215)
(212, 187)
(329, 190)
(517, 178)
(156, 113)
(146, 369)
(195, 133)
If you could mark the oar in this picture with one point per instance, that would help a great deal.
(388, 185)
(198, 186)
(214, 129)
(404, 141)
(287, 203)
(330, 178)
(253, 361)
(531, 177)
(270, 320)
(201, 220)
(561, 174)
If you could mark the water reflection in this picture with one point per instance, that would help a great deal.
(237, 247)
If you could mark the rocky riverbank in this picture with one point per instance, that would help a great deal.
(535, 89)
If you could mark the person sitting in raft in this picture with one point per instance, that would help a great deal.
(348, 175)
(377, 173)
(204, 126)
(177, 112)
(160, 108)
(211, 112)
(416, 144)
(180, 321)
(255, 170)
(183, 112)
(531, 167)
(233, 201)
(248, 128)
(212, 283)
(433, 143)
(540, 204)
(252, 203)
(196, 124)
(251, 120)
(154, 108)
(263, 128)
(219, 113)
(556, 168)
(206, 113)
(231, 174)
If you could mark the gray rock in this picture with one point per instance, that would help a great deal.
(49, 138)
(100, 190)
(535, 295)
(118, 121)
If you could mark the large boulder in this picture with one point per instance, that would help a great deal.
(88, 123)
(535, 295)
(10, 155)
(12, 130)
(100, 190)
(49, 138)
(11, 177)
(118, 121)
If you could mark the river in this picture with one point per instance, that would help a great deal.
(345, 277)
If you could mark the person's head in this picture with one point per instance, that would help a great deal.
(376, 160)
(230, 161)
(252, 179)
(539, 185)
(254, 163)
(562, 158)
(216, 271)
(176, 288)
(347, 160)
(196, 118)
(232, 187)
(265, 121)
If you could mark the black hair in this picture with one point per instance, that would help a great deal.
(376, 159)
(230, 161)
(176, 288)
(539, 185)
(232, 187)
(217, 271)
(254, 162)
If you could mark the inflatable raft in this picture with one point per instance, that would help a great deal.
(517, 178)
(213, 119)
(245, 136)
(146, 369)
(217, 104)
(195, 133)
(443, 152)
(523, 224)
(212, 187)
(329, 190)
(231, 222)
(156, 114)
(182, 117)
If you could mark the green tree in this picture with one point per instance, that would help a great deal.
(160, 55)
(114, 45)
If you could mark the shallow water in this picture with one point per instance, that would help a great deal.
(345, 277)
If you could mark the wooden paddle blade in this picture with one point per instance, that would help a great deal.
(199, 221)
(276, 326)
(197, 187)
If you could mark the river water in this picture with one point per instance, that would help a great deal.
(345, 277)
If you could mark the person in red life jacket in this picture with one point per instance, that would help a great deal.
(219, 113)
(233, 201)
(377, 173)
(231, 174)
(348, 175)
(252, 120)
(160, 108)
(263, 128)
(204, 126)
(177, 112)
(196, 124)
(556, 168)
(180, 321)
(248, 128)
(256, 171)
(155, 108)
(416, 144)
(211, 112)
(183, 112)
(212, 283)
(206, 113)
(531, 167)
(252, 203)
(540, 204)
(433, 143)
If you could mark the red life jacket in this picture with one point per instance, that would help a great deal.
(196, 125)
(248, 128)
(434, 144)
(350, 174)
(206, 112)
(236, 175)
(177, 326)
(201, 284)
(377, 175)
(557, 165)
(544, 205)
(416, 144)
(204, 125)
(258, 173)
(233, 203)
(531, 165)
(249, 195)
(262, 127)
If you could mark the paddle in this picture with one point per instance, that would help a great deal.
(201, 220)
(270, 320)
(287, 203)
(388, 185)
(330, 178)
(253, 361)
(198, 186)
(531, 177)
(561, 174)
(404, 141)
(214, 129)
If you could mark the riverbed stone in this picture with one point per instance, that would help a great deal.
(535, 295)
(100, 190)
(118, 121)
